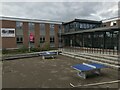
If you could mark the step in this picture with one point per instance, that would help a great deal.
(102, 56)
(90, 57)
(111, 65)
(107, 64)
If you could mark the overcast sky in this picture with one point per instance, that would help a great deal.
(60, 11)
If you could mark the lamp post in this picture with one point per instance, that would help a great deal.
(29, 40)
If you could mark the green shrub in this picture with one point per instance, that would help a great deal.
(35, 49)
(4, 51)
(45, 46)
(23, 49)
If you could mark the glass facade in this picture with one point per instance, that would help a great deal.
(59, 35)
(101, 40)
(76, 26)
(87, 40)
(98, 40)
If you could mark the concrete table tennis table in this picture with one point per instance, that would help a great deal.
(48, 54)
(84, 69)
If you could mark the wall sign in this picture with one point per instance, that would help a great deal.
(7, 32)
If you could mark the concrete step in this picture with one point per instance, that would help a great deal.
(109, 57)
(104, 59)
(87, 58)
(95, 58)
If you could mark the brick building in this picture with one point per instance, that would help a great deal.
(19, 32)
(101, 35)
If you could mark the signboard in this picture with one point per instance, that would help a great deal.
(31, 37)
(7, 32)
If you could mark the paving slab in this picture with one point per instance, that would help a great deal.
(50, 73)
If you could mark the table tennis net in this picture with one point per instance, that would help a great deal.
(89, 65)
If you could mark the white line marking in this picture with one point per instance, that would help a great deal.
(89, 65)
(95, 84)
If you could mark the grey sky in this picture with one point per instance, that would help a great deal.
(60, 11)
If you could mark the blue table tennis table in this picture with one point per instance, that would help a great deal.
(48, 54)
(84, 69)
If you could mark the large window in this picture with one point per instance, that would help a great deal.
(87, 39)
(115, 40)
(87, 26)
(108, 40)
(52, 34)
(77, 25)
(79, 40)
(66, 28)
(51, 39)
(59, 36)
(111, 40)
(42, 39)
(19, 34)
(81, 26)
(19, 39)
(98, 39)
(31, 34)
(42, 29)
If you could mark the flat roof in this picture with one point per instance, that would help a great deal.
(111, 19)
(92, 30)
(30, 20)
(83, 20)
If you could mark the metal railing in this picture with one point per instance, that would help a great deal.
(90, 50)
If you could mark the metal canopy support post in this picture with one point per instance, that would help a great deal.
(119, 54)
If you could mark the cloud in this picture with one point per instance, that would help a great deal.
(60, 11)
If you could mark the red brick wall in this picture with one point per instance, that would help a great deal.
(8, 42)
(119, 22)
(37, 34)
(25, 33)
(47, 33)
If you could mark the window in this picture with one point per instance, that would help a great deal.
(51, 39)
(42, 29)
(71, 26)
(19, 25)
(31, 27)
(87, 26)
(81, 26)
(19, 39)
(52, 26)
(42, 39)
(91, 26)
(52, 33)
(113, 23)
(19, 34)
(84, 25)
(77, 25)
(19, 28)
(108, 34)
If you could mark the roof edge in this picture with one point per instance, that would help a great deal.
(29, 20)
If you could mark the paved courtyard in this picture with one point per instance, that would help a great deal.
(50, 73)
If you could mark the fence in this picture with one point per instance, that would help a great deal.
(90, 50)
